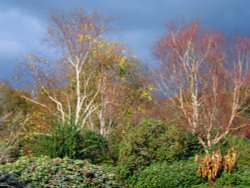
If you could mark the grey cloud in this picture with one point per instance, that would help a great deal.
(23, 22)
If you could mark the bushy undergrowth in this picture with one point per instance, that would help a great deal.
(94, 148)
(150, 154)
(46, 172)
(152, 141)
(240, 177)
(179, 174)
(69, 141)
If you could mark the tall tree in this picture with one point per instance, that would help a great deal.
(203, 78)
(86, 76)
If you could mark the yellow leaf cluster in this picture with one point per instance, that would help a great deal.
(123, 62)
(80, 38)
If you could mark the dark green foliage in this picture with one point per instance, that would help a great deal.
(68, 141)
(151, 141)
(63, 141)
(10, 181)
(46, 172)
(194, 147)
(227, 179)
(179, 174)
(94, 147)
(114, 140)
(239, 177)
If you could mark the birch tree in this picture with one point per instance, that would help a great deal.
(204, 78)
(80, 83)
(74, 37)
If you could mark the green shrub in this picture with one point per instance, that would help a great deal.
(179, 174)
(94, 148)
(114, 141)
(62, 141)
(46, 172)
(68, 141)
(239, 177)
(193, 145)
(227, 179)
(151, 141)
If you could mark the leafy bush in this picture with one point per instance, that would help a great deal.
(62, 141)
(151, 141)
(193, 145)
(46, 172)
(7, 180)
(179, 174)
(239, 177)
(114, 140)
(94, 148)
(68, 141)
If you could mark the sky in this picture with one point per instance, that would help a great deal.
(140, 23)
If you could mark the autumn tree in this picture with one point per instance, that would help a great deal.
(81, 84)
(14, 113)
(202, 76)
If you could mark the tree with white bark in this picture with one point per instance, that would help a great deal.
(85, 76)
(204, 79)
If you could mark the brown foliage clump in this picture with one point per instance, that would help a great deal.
(212, 163)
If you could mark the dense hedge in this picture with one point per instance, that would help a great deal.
(179, 174)
(46, 172)
(69, 141)
(184, 174)
(240, 177)
(152, 141)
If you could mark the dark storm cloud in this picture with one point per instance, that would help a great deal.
(23, 22)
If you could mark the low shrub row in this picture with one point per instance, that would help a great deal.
(178, 174)
(184, 174)
(46, 172)
(150, 154)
